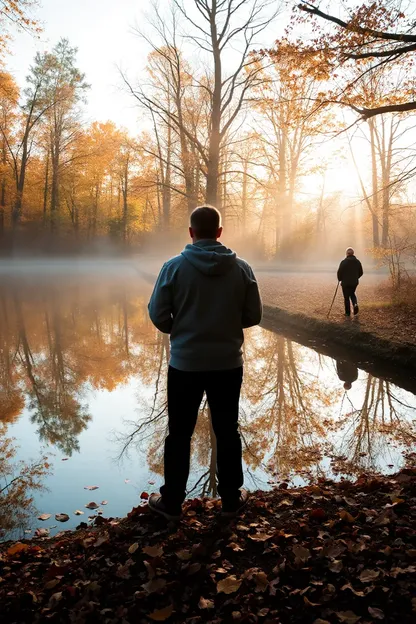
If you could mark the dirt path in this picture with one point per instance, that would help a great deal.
(311, 294)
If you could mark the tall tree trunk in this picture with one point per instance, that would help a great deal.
(212, 195)
(244, 198)
(46, 187)
(374, 178)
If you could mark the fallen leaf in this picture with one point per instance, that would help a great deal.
(53, 583)
(319, 621)
(348, 617)
(204, 603)
(318, 514)
(103, 539)
(263, 612)
(336, 566)
(16, 548)
(301, 554)
(144, 496)
(378, 614)
(91, 487)
(78, 512)
(367, 576)
(347, 517)
(65, 459)
(194, 568)
(54, 599)
(154, 586)
(133, 548)
(184, 555)
(92, 505)
(153, 551)
(44, 516)
(104, 503)
(62, 517)
(41, 532)
(229, 585)
(262, 582)
(308, 603)
(235, 547)
(260, 537)
(151, 482)
(162, 614)
(126, 480)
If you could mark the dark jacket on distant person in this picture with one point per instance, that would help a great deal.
(204, 298)
(349, 272)
(347, 371)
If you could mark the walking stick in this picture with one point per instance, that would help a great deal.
(336, 290)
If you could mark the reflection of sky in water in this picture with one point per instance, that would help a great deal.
(295, 412)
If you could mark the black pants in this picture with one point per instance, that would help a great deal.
(185, 392)
(349, 294)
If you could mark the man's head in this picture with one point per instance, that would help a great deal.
(349, 251)
(205, 223)
(347, 385)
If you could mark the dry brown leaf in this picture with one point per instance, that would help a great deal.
(133, 548)
(320, 621)
(92, 505)
(336, 566)
(260, 537)
(261, 580)
(302, 554)
(184, 555)
(53, 583)
(16, 548)
(160, 615)
(348, 617)
(308, 603)
(194, 568)
(376, 613)
(154, 586)
(44, 517)
(229, 585)
(236, 547)
(204, 603)
(91, 487)
(367, 576)
(347, 517)
(78, 512)
(62, 517)
(153, 551)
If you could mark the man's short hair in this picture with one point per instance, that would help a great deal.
(205, 222)
(349, 251)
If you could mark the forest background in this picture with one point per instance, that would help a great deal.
(294, 119)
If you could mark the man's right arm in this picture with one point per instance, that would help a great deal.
(253, 309)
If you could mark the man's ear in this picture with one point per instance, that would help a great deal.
(191, 233)
(219, 232)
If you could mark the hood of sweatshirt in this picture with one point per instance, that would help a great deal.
(210, 257)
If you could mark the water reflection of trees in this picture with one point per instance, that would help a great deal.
(60, 341)
(369, 430)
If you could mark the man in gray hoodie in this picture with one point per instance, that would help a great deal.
(204, 298)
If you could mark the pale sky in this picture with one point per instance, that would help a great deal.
(101, 30)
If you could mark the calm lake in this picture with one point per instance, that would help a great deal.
(82, 382)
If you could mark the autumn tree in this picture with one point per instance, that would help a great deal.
(379, 34)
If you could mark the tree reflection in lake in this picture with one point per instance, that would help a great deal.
(61, 342)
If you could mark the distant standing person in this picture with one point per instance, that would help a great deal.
(204, 298)
(349, 272)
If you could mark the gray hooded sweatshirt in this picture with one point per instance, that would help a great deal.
(204, 298)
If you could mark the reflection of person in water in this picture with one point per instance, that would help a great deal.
(347, 372)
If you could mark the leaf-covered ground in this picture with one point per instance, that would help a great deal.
(327, 553)
(312, 293)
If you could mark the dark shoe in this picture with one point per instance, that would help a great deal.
(356, 309)
(231, 511)
(157, 505)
